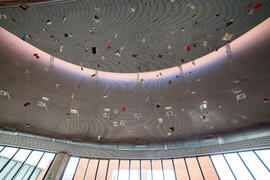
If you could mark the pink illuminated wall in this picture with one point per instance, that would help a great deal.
(25, 51)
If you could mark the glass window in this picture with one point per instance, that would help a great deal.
(71, 168)
(12, 167)
(12, 171)
(21, 155)
(32, 161)
(255, 166)
(37, 174)
(42, 166)
(124, 170)
(207, 168)
(193, 169)
(168, 169)
(102, 169)
(92, 169)
(134, 170)
(146, 173)
(23, 164)
(1, 147)
(28, 172)
(237, 166)
(81, 169)
(34, 158)
(222, 168)
(6, 154)
(22, 172)
(180, 169)
(264, 156)
(113, 170)
(157, 170)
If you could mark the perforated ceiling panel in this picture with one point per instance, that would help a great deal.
(133, 35)
(26, 74)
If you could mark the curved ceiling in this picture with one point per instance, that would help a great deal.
(132, 36)
(28, 74)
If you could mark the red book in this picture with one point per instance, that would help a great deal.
(258, 6)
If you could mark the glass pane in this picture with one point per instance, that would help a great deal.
(70, 169)
(157, 170)
(43, 166)
(5, 155)
(28, 173)
(168, 169)
(264, 156)
(180, 169)
(134, 170)
(18, 159)
(8, 152)
(21, 155)
(7, 169)
(92, 169)
(36, 175)
(222, 168)
(123, 170)
(102, 169)
(146, 173)
(81, 169)
(207, 168)
(31, 161)
(34, 158)
(1, 147)
(22, 172)
(237, 166)
(13, 171)
(193, 169)
(113, 170)
(255, 166)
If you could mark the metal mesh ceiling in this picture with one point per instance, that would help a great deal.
(157, 32)
(212, 83)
